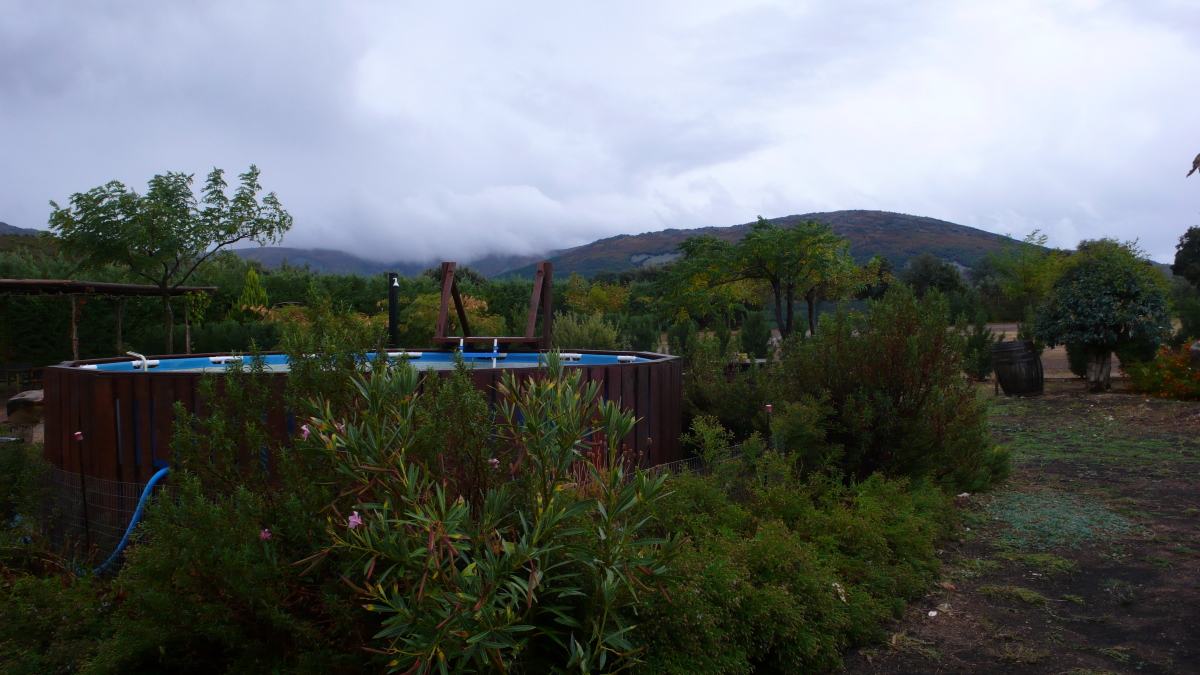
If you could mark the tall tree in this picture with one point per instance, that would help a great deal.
(1026, 270)
(166, 234)
(1187, 256)
(927, 272)
(1109, 295)
(792, 261)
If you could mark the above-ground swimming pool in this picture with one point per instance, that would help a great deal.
(123, 409)
(423, 360)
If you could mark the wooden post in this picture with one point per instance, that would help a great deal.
(547, 300)
(75, 327)
(120, 321)
(87, 521)
(439, 330)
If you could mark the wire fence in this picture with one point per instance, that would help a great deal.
(87, 528)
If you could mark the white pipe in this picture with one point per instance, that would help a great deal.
(624, 358)
(570, 356)
(145, 361)
(495, 351)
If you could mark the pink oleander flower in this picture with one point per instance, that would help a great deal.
(355, 520)
(265, 534)
(304, 431)
(341, 428)
(495, 463)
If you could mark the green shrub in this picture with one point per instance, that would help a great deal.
(641, 333)
(583, 331)
(213, 588)
(756, 335)
(539, 575)
(682, 338)
(232, 336)
(1137, 350)
(716, 384)
(22, 473)
(977, 354)
(1188, 311)
(50, 624)
(896, 400)
(790, 575)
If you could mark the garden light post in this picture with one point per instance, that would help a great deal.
(770, 431)
(393, 310)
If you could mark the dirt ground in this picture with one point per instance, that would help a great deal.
(1086, 562)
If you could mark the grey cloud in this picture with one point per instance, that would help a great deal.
(410, 130)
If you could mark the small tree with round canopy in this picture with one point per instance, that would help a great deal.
(1108, 295)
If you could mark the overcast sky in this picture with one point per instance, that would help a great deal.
(406, 130)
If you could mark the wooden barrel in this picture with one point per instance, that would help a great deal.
(1018, 367)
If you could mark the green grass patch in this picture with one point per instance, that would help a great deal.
(1043, 520)
(1044, 563)
(974, 568)
(1025, 595)
(1035, 431)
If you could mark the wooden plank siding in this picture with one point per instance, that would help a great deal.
(127, 418)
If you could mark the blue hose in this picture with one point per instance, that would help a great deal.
(137, 517)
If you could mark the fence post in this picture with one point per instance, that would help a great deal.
(87, 533)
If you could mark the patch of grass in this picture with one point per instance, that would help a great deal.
(1014, 653)
(1025, 595)
(1041, 431)
(1183, 550)
(905, 643)
(1043, 520)
(1121, 654)
(1075, 599)
(1121, 591)
(1155, 560)
(976, 567)
(1044, 563)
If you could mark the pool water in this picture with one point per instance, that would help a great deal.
(437, 360)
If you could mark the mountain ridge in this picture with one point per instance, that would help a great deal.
(7, 230)
(896, 236)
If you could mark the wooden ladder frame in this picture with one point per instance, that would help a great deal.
(542, 296)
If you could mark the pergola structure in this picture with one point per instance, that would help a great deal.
(96, 289)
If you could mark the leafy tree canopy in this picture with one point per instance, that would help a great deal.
(928, 272)
(1109, 293)
(1026, 270)
(792, 261)
(164, 235)
(1187, 256)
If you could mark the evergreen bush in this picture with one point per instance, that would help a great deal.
(895, 399)
(583, 331)
(790, 573)
(755, 335)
